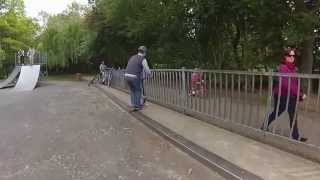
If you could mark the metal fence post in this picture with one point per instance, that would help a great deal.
(184, 90)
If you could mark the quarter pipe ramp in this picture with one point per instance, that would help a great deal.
(28, 78)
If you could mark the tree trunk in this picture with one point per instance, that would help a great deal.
(306, 63)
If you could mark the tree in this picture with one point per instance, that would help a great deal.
(221, 34)
(16, 31)
(64, 39)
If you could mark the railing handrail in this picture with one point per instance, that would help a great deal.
(297, 75)
(243, 101)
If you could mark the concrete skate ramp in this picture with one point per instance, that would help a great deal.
(8, 82)
(28, 78)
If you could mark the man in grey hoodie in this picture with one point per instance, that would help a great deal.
(136, 66)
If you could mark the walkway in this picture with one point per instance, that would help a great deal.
(263, 160)
(68, 131)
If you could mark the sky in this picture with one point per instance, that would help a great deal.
(33, 7)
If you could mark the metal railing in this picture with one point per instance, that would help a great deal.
(245, 98)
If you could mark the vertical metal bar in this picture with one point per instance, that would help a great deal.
(146, 86)
(160, 87)
(215, 95)
(153, 85)
(296, 109)
(171, 90)
(209, 93)
(184, 88)
(287, 100)
(177, 88)
(169, 93)
(226, 97)
(174, 90)
(166, 87)
(154, 82)
(308, 95)
(204, 99)
(157, 85)
(179, 79)
(165, 90)
(190, 98)
(150, 87)
(239, 97)
(174, 79)
(278, 103)
(166, 95)
(259, 98)
(245, 100)
(220, 94)
(198, 97)
(252, 99)
(187, 103)
(231, 97)
(269, 102)
(149, 82)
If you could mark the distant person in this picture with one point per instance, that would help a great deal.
(133, 74)
(195, 81)
(287, 66)
(30, 55)
(103, 72)
(25, 56)
(21, 56)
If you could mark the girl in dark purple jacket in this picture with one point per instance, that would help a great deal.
(289, 89)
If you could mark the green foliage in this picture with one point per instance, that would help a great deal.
(16, 31)
(221, 34)
(65, 39)
(210, 33)
(2, 57)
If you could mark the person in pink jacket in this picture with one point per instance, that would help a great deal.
(288, 93)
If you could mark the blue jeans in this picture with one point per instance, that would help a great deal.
(135, 91)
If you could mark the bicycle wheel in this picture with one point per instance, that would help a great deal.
(94, 80)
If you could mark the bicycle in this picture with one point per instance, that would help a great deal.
(96, 79)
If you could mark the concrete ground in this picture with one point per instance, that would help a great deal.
(260, 159)
(66, 131)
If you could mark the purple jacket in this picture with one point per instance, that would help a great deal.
(294, 91)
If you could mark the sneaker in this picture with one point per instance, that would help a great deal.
(133, 109)
(303, 139)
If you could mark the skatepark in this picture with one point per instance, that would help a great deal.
(67, 130)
